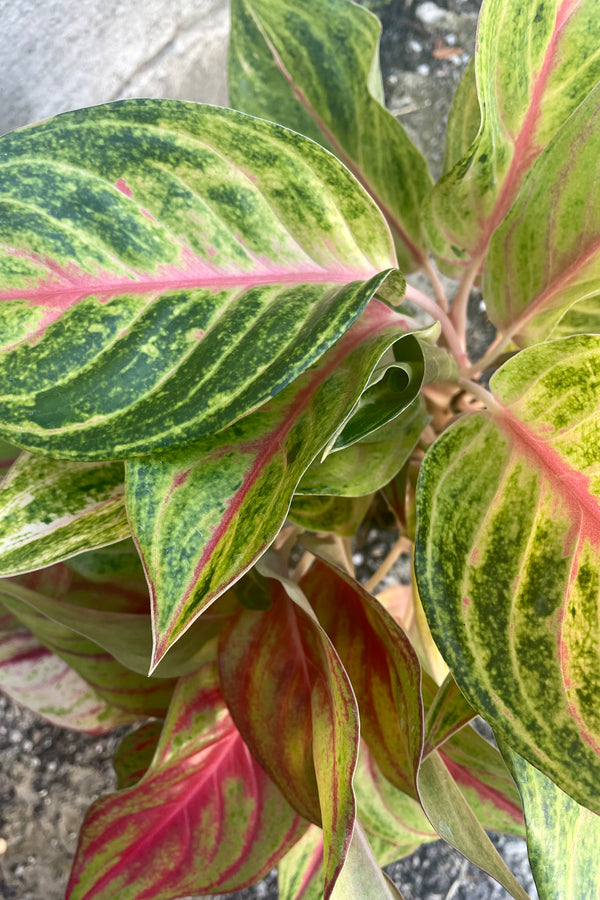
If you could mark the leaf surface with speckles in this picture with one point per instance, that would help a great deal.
(204, 818)
(507, 558)
(535, 62)
(202, 515)
(320, 76)
(145, 244)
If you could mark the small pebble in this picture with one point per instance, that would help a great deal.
(429, 14)
(423, 69)
(415, 46)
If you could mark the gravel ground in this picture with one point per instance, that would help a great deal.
(48, 776)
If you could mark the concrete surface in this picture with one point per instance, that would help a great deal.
(57, 55)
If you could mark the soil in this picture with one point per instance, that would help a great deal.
(48, 776)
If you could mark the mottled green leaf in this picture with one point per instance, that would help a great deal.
(369, 465)
(293, 704)
(507, 558)
(562, 837)
(51, 510)
(202, 515)
(204, 818)
(382, 666)
(545, 256)
(148, 244)
(300, 872)
(582, 318)
(135, 753)
(452, 818)
(535, 62)
(315, 68)
(118, 561)
(464, 118)
(43, 682)
(329, 513)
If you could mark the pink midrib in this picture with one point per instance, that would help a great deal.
(466, 778)
(525, 150)
(584, 510)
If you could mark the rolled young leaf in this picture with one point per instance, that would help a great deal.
(51, 510)
(223, 827)
(507, 558)
(292, 701)
(202, 515)
(315, 68)
(562, 837)
(166, 267)
(534, 64)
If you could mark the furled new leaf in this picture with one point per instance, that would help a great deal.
(44, 683)
(51, 510)
(204, 818)
(165, 268)
(535, 63)
(319, 74)
(293, 703)
(382, 666)
(562, 837)
(545, 256)
(507, 558)
(202, 515)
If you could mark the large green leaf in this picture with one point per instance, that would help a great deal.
(507, 558)
(165, 268)
(315, 68)
(562, 837)
(202, 515)
(464, 118)
(51, 510)
(545, 256)
(40, 680)
(535, 63)
(292, 701)
(204, 818)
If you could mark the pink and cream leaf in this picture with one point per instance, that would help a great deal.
(204, 818)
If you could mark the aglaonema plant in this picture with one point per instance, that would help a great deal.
(210, 378)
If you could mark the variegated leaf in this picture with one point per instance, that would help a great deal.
(204, 818)
(202, 515)
(545, 256)
(382, 666)
(135, 753)
(448, 713)
(43, 682)
(51, 510)
(300, 872)
(146, 244)
(315, 68)
(137, 694)
(292, 701)
(329, 513)
(562, 837)
(535, 63)
(507, 558)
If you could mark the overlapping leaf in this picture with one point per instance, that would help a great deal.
(448, 713)
(44, 683)
(120, 687)
(553, 46)
(329, 513)
(293, 703)
(382, 666)
(507, 558)
(320, 76)
(166, 267)
(545, 257)
(51, 510)
(562, 837)
(202, 515)
(204, 818)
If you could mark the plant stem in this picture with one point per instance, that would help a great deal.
(402, 545)
(430, 306)
(480, 392)
(458, 313)
(437, 286)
